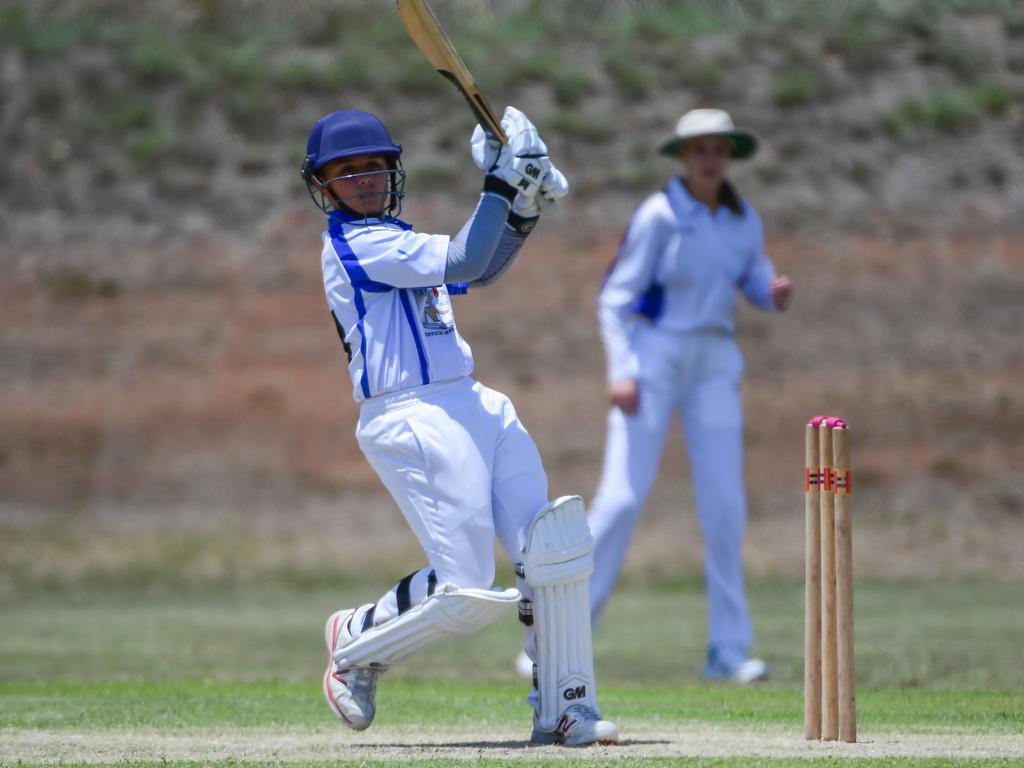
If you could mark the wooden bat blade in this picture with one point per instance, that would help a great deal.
(426, 32)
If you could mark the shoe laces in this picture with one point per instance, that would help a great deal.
(361, 681)
(583, 712)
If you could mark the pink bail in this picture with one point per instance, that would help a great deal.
(816, 421)
(834, 422)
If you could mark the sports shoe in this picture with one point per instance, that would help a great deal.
(524, 666)
(579, 726)
(722, 666)
(350, 691)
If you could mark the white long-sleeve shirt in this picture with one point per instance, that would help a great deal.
(699, 258)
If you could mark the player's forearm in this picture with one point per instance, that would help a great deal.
(756, 286)
(471, 251)
(517, 229)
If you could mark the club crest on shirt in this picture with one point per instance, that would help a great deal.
(435, 309)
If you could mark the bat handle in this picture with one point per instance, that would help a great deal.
(484, 116)
(492, 135)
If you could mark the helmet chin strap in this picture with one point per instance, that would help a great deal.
(341, 205)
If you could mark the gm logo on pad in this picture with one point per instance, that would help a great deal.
(573, 693)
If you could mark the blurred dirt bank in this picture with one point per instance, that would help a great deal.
(174, 397)
(183, 422)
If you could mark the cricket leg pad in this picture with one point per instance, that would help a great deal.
(449, 612)
(557, 563)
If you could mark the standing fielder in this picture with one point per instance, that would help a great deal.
(666, 313)
(452, 452)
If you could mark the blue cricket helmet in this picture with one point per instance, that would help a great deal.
(346, 133)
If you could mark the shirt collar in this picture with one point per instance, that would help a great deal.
(685, 204)
(679, 197)
(336, 219)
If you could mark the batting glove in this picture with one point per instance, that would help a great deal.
(553, 187)
(523, 162)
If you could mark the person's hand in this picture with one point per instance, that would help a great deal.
(553, 188)
(521, 134)
(781, 291)
(523, 162)
(625, 395)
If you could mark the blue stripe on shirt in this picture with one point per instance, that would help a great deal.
(355, 270)
(360, 282)
(424, 373)
(364, 379)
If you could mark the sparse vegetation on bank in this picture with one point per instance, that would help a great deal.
(124, 99)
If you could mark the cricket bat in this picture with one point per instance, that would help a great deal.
(424, 29)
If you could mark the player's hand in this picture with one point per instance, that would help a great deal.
(483, 151)
(523, 162)
(517, 127)
(625, 395)
(781, 291)
(553, 188)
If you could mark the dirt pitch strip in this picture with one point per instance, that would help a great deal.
(295, 745)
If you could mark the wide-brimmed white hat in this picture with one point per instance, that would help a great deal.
(709, 122)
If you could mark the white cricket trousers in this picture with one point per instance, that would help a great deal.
(697, 376)
(462, 469)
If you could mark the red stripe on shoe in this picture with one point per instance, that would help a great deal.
(330, 672)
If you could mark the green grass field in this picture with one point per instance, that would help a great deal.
(93, 676)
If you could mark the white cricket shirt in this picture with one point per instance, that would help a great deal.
(385, 288)
(699, 258)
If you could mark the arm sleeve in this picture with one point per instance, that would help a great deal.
(517, 229)
(630, 276)
(471, 252)
(756, 281)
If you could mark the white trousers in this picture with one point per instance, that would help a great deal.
(697, 376)
(462, 469)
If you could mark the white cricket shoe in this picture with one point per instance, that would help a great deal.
(734, 667)
(524, 666)
(579, 726)
(350, 691)
(750, 671)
